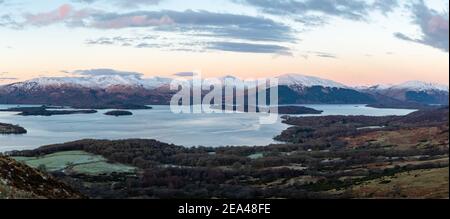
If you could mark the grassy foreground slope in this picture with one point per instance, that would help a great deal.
(19, 181)
(432, 183)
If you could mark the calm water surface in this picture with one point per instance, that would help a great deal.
(160, 124)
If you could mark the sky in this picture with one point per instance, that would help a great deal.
(355, 42)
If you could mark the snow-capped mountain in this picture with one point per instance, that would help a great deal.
(420, 86)
(105, 81)
(297, 80)
(100, 82)
(303, 89)
(409, 86)
(375, 87)
(133, 88)
(413, 92)
(307, 81)
(92, 91)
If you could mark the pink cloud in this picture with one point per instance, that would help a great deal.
(60, 14)
(63, 13)
(64, 10)
(438, 24)
(66, 13)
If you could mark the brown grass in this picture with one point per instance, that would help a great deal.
(423, 184)
(402, 139)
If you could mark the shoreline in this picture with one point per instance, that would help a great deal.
(232, 144)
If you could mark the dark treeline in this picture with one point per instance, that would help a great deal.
(331, 128)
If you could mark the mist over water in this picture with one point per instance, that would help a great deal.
(240, 129)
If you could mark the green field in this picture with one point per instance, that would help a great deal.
(256, 156)
(77, 161)
(102, 167)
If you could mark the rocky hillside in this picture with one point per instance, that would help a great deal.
(18, 181)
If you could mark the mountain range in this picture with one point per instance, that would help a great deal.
(88, 91)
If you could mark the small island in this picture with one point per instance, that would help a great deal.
(401, 105)
(113, 105)
(44, 111)
(118, 113)
(298, 110)
(11, 129)
(286, 110)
